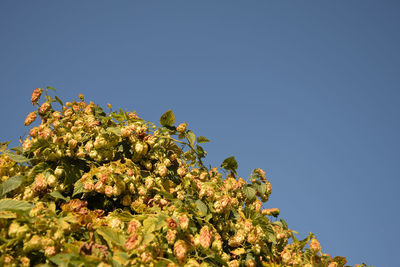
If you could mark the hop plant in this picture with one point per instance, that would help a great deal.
(95, 188)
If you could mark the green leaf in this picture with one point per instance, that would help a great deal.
(10, 184)
(50, 88)
(249, 192)
(284, 224)
(202, 207)
(202, 139)
(168, 118)
(303, 243)
(15, 157)
(230, 164)
(249, 256)
(115, 263)
(14, 205)
(174, 148)
(39, 144)
(166, 195)
(147, 238)
(59, 100)
(78, 188)
(3, 145)
(62, 259)
(208, 217)
(49, 98)
(74, 170)
(149, 225)
(86, 261)
(261, 188)
(120, 148)
(160, 223)
(266, 226)
(123, 215)
(216, 260)
(161, 264)
(7, 215)
(191, 137)
(278, 223)
(114, 130)
(271, 235)
(121, 112)
(111, 236)
(58, 195)
(202, 153)
(119, 259)
(18, 149)
(73, 259)
(39, 168)
(117, 117)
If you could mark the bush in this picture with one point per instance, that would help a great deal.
(96, 188)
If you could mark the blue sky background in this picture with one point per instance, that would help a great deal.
(307, 90)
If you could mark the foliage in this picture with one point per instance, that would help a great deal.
(96, 188)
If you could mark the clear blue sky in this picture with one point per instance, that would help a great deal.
(307, 90)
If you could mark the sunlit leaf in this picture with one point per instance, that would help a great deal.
(176, 149)
(62, 259)
(16, 157)
(191, 137)
(78, 188)
(201, 207)
(59, 100)
(14, 205)
(111, 236)
(149, 225)
(147, 238)
(202, 139)
(114, 130)
(261, 187)
(249, 192)
(10, 184)
(58, 195)
(120, 259)
(168, 118)
(7, 215)
(160, 221)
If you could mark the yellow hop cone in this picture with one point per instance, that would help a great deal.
(315, 246)
(30, 118)
(36, 95)
(180, 250)
(44, 108)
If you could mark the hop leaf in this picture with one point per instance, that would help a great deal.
(168, 118)
(230, 164)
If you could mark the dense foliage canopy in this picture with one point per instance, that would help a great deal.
(95, 188)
